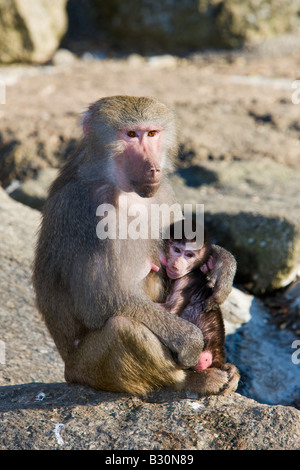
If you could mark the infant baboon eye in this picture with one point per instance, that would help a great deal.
(177, 250)
(152, 133)
(131, 134)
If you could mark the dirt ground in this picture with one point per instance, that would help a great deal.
(230, 105)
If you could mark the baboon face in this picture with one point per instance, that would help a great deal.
(139, 136)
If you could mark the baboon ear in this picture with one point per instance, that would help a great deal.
(86, 120)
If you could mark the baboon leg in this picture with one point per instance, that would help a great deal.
(124, 356)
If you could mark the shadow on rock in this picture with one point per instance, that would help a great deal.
(48, 395)
(196, 175)
(266, 248)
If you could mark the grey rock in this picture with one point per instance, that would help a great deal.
(266, 356)
(236, 310)
(29, 353)
(31, 31)
(55, 416)
(253, 211)
(63, 57)
(293, 294)
(33, 192)
(171, 25)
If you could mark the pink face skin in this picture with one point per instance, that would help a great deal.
(180, 261)
(205, 268)
(139, 167)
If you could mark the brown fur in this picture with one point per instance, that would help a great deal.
(194, 290)
(109, 332)
(188, 296)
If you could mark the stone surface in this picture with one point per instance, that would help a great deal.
(47, 416)
(31, 31)
(33, 192)
(254, 211)
(266, 356)
(180, 26)
(29, 353)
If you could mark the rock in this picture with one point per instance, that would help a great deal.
(63, 57)
(54, 416)
(30, 354)
(135, 59)
(264, 354)
(236, 310)
(293, 294)
(31, 31)
(165, 60)
(180, 26)
(253, 211)
(34, 192)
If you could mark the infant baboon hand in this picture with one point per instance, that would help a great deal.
(220, 278)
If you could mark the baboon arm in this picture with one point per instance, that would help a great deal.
(222, 275)
(183, 338)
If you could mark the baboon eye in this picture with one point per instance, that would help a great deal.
(177, 250)
(189, 255)
(152, 133)
(131, 134)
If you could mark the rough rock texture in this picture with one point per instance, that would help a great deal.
(266, 356)
(33, 192)
(252, 210)
(55, 416)
(29, 350)
(31, 31)
(190, 24)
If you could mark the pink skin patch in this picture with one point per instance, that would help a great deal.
(209, 266)
(153, 267)
(163, 260)
(86, 121)
(205, 361)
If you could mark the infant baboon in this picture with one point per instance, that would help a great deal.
(190, 293)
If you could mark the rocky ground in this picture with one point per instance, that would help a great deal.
(239, 130)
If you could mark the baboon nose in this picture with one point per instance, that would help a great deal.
(155, 172)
